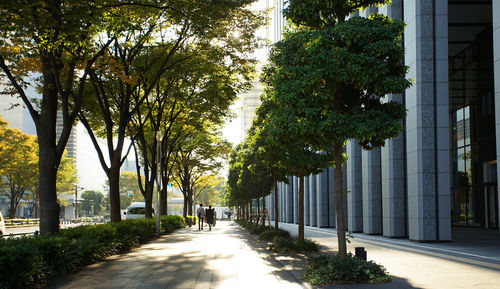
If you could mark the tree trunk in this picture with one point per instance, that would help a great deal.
(339, 202)
(190, 206)
(13, 203)
(164, 200)
(185, 208)
(275, 204)
(264, 212)
(148, 199)
(114, 193)
(47, 167)
(301, 208)
(250, 211)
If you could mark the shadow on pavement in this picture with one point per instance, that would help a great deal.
(291, 267)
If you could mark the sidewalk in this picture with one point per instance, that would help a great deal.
(471, 260)
(188, 258)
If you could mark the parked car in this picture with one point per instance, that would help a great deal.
(136, 210)
(2, 225)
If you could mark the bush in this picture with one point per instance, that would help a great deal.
(269, 235)
(288, 245)
(329, 268)
(171, 223)
(29, 262)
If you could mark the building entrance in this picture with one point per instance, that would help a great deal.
(472, 114)
(491, 205)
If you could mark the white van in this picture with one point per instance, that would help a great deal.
(136, 210)
(2, 225)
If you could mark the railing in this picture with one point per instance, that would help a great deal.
(21, 222)
(34, 222)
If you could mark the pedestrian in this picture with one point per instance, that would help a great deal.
(229, 215)
(210, 217)
(201, 216)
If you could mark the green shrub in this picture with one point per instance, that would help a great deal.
(171, 223)
(288, 245)
(20, 264)
(29, 262)
(329, 268)
(269, 235)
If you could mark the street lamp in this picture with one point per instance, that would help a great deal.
(76, 199)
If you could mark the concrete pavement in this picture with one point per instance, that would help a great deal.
(188, 258)
(228, 257)
(471, 260)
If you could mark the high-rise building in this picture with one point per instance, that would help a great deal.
(250, 101)
(441, 171)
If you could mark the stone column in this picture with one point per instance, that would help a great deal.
(322, 199)
(496, 69)
(281, 201)
(393, 163)
(354, 188)
(295, 200)
(312, 201)
(289, 203)
(372, 192)
(332, 218)
(307, 221)
(427, 122)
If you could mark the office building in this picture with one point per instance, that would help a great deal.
(441, 172)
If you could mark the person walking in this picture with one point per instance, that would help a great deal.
(210, 217)
(200, 212)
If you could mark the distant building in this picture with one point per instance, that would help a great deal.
(250, 101)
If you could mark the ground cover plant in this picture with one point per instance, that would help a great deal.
(271, 234)
(331, 269)
(30, 262)
(281, 241)
(291, 245)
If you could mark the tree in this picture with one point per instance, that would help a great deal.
(19, 169)
(48, 44)
(208, 190)
(92, 202)
(270, 153)
(129, 189)
(199, 156)
(18, 165)
(206, 73)
(331, 75)
(123, 79)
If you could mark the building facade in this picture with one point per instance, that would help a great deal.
(441, 171)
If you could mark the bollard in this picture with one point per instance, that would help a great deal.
(360, 252)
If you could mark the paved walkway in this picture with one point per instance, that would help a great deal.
(228, 257)
(471, 260)
(221, 258)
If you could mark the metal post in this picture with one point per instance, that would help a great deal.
(156, 198)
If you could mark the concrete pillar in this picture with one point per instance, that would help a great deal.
(332, 218)
(281, 199)
(496, 69)
(372, 192)
(393, 163)
(322, 199)
(427, 122)
(295, 200)
(354, 188)
(307, 220)
(289, 201)
(312, 201)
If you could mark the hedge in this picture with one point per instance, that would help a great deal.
(30, 262)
